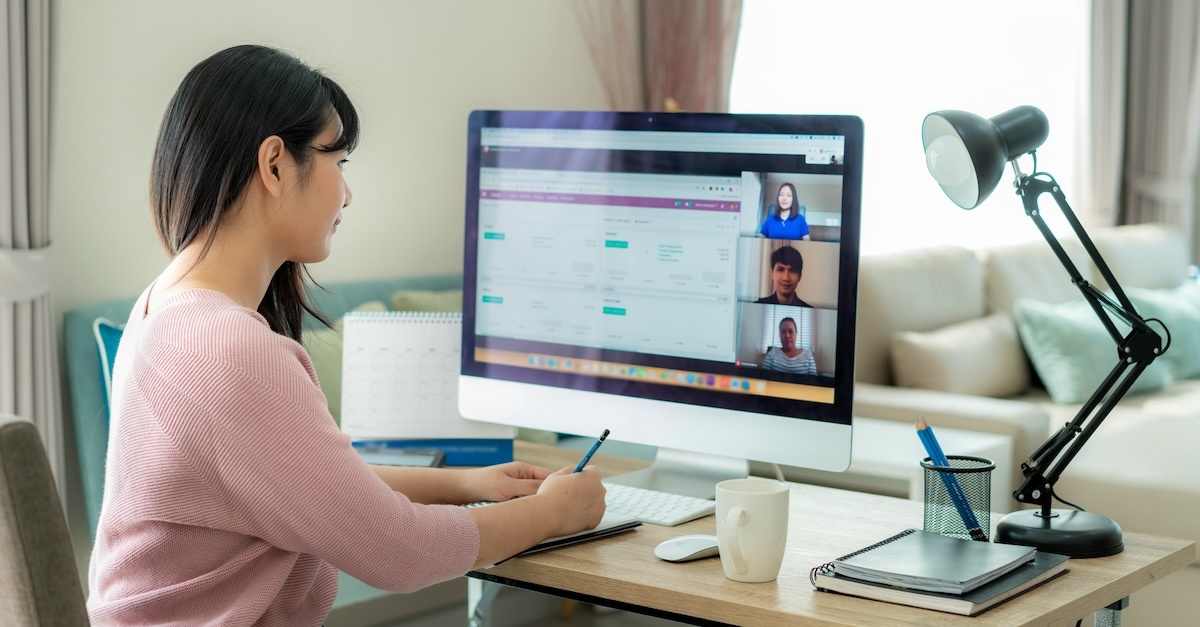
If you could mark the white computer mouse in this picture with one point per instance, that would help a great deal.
(686, 548)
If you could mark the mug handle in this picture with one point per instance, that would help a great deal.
(734, 519)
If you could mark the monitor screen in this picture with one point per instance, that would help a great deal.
(685, 280)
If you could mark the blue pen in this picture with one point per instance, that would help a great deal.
(957, 496)
(592, 451)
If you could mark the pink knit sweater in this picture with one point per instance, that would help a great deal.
(230, 496)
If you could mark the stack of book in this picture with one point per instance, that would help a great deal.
(937, 572)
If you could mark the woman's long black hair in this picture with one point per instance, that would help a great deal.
(207, 152)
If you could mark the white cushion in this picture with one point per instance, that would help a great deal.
(918, 290)
(981, 357)
(1032, 270)
(1150, 256)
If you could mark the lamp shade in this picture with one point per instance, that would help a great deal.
(966, 154)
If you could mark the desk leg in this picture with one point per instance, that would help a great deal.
(1111, 615)
(480, 595)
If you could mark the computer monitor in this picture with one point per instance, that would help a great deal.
(617, 276)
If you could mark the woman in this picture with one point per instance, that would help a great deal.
(784, 220)
(789, 357)
(230, 496)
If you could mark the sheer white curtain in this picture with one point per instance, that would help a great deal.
(1101, 139)
(29, 384)
(892, 63)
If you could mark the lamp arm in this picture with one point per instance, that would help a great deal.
(1135, 350)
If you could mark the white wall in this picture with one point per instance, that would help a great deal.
(413, 69)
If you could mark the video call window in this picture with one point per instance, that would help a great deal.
(669, 274)
(788, 272)
(792, 340)
(793, 206)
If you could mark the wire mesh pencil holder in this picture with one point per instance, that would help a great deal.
(973, 477)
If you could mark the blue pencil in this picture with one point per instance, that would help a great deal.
(957, 496)
(591, 451)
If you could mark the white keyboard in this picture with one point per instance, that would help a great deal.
(652, 506)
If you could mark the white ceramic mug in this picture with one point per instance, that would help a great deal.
(752, 526)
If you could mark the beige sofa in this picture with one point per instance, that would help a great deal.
(938, 337)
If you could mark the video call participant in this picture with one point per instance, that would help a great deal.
(784, 220)
(786, 268)
(789, 357)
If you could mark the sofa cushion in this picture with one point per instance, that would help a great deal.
(1179, 310)
(919, 290)
(1032, 270)
(982, 357)
(427, 300)
(1071, 350)
(324, 347)
(1151, 256)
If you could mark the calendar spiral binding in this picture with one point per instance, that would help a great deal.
(419, 316)
(827, 567)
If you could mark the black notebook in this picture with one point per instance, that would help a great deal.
(922, 560)
(1043, 567)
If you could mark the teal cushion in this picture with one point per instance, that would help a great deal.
(1179, 310)
(108, 337)
(1071, 350)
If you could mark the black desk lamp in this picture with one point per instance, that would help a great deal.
(966, 154)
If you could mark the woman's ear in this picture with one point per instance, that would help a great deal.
(271, 153)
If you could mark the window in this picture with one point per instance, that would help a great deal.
(891, 63)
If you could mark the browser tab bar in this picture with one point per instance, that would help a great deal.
(667, 141)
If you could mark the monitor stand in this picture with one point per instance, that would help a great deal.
(686, 473)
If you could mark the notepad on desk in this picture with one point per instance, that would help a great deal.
(1042, 568)
(933, 571)
(923, 560)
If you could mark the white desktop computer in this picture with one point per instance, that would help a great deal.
(686, 280)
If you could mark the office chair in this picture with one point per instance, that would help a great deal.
(39, 584)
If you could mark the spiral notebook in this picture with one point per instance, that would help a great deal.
(400, 387)
(916, 559)
(1042, 568)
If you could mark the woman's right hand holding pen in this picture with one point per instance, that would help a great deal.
(581, 498)
(566, 502)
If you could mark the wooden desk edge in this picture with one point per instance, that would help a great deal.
(1164, 555)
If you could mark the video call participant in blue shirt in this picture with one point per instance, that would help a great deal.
(787, 266)
(784, 220)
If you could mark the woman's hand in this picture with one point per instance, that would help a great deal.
(580, 497)
(565, 502)
(502, 482)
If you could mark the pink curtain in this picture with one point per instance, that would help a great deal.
(662, 55)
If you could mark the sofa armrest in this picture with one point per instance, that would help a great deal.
(1027, 424)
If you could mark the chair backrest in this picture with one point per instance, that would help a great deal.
(39, 583)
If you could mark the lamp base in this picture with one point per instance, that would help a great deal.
(1066, 531)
